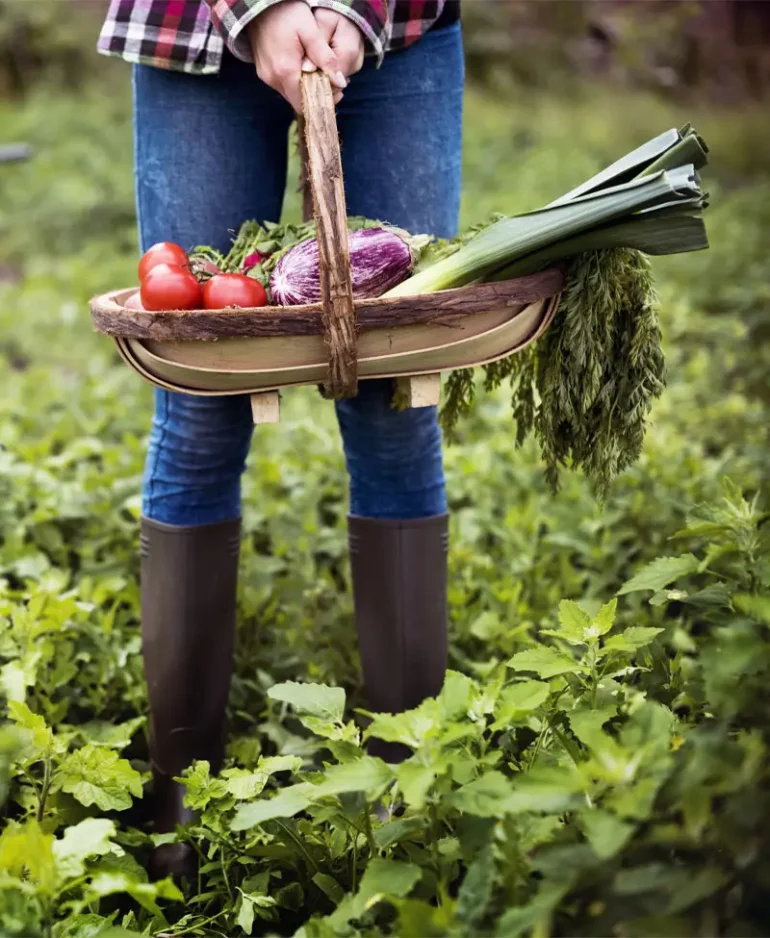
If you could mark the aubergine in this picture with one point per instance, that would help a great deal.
(380, 258)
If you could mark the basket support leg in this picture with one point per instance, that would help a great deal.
(421, 390)
(266, 407)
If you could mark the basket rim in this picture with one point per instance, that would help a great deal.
(111, 317)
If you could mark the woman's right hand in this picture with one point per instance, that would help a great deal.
(282, 38)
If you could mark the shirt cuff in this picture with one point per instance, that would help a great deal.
(371, 17)
(231, 17)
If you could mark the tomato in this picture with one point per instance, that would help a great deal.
(225, 290)
(165, 252)
(167, 287)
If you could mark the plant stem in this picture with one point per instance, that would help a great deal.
(539, 741)
(298, 843)
(224, 873)
(44, 790)
(434, 838)
(368, 832)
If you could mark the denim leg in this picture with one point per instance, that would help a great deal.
(210, 152)
(401, 130)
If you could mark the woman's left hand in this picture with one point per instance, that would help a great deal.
(345, 38)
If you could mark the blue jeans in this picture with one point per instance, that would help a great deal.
(211, 152)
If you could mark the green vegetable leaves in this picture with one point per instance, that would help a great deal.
(660, 573)
(94, 775)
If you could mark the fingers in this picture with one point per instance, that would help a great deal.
(281, 38)
(285, 78)
(287, 39)
(321, 54)
(344, 37)
(308, 66)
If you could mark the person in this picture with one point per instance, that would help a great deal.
(211, 141)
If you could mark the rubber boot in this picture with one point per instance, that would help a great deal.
(399, 571)
(188, 594)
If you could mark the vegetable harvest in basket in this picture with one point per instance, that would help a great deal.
(585, 388)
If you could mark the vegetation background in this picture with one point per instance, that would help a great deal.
(598, 761)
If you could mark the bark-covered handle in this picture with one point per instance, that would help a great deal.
(324, 175)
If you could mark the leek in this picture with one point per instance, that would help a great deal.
(585, 389)
(510, 238)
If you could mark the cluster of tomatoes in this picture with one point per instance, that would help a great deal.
(168, 282)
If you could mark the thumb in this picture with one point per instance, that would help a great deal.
(322, 55)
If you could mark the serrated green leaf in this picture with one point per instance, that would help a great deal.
(545, 789)
(587, 724)
(486, 627)
(36, 730)
(145, 893)
(456, 695)
(605, 618)
(271, 765)
(14, 682)
(606, 833)
(414, 782)
(245, 919)
(243, 784)
(26, 851)
(102, 733)
(519, 699)
(660, 573)
(89, 838)
(411, 728)
(200, 788)
(476, 891)
(94, 926)
(319, 700)
(756, 606)
(544, 661)
(533, 918)
(367, 774)
(287, 803)
(387, 878)
(573, 622)
(96, 775)
(329, 887)
(485, 796)
(631, 639)
(394, 832)
(383, 879)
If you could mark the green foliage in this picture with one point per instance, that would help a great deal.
(597, 761)
(586, 388)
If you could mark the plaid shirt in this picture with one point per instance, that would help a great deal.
(190, 35)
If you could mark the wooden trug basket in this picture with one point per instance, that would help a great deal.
(339, 340)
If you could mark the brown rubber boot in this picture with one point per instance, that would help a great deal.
(399, 573)
(188, 585)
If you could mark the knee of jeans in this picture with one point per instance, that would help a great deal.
(394, 457)
(198, 441)
(371, 424)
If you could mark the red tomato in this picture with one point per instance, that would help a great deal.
(167, 287)
(225, 290)
(164, 252)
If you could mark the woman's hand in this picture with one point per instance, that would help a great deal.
(344, 38)
(287, 34)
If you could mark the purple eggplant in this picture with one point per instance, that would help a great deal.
(379, 259)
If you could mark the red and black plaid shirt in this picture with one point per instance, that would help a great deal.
(190, 35)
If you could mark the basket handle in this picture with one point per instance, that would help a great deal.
(324, 176)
